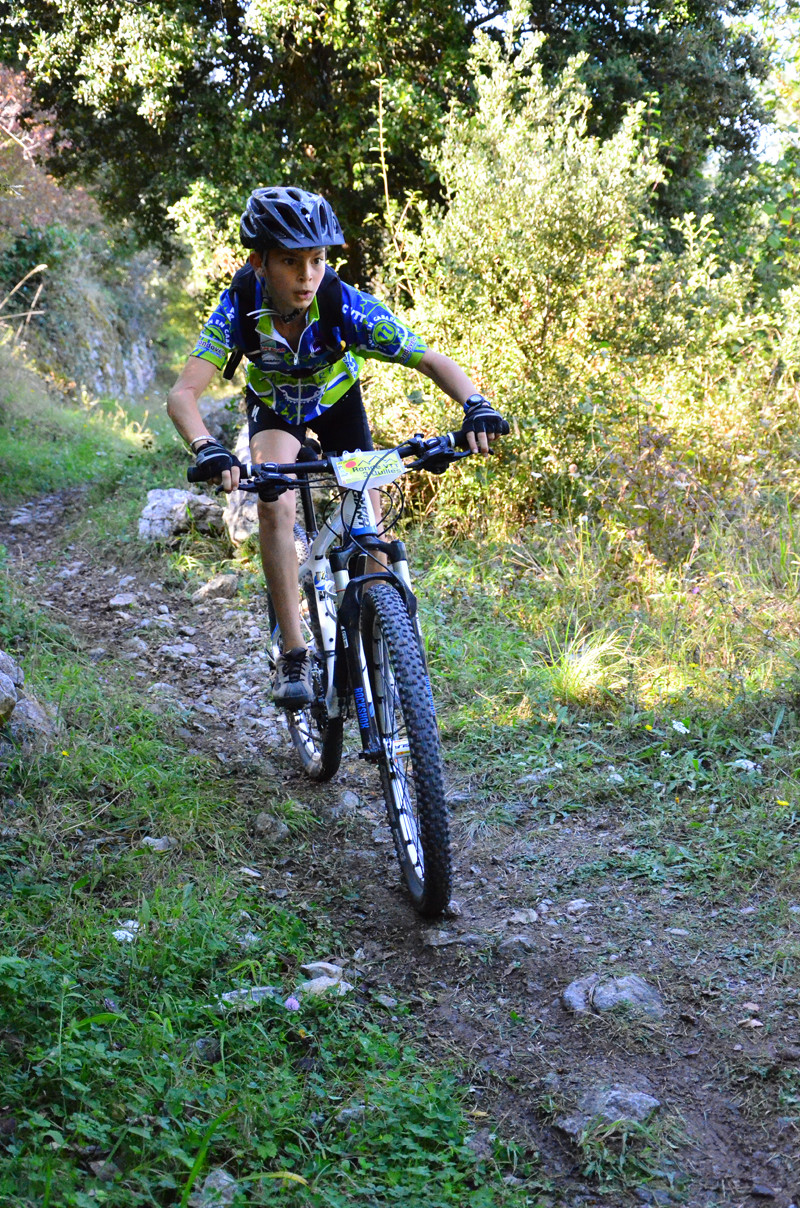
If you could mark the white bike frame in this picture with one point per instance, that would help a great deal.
(354, 515)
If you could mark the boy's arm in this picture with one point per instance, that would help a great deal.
(452, 379)
(182, 409)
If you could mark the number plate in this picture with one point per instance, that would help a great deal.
(375, 468)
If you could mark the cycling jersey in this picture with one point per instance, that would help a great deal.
(372, 333)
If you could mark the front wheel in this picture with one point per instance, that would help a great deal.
(410, 760)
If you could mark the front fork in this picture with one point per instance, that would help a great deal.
(350, 662)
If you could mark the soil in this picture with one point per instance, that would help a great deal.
(495, 1012)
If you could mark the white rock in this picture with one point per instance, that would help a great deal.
(221, 587)
(617, 1104)
(170, 512)
(248, 940)
(127, 933)
(595, 994)
(517, 945)
(124, 599)
(245, 1000)
(163, 844)
(323, 969)
(522, 918)
(162, 689)
(178, 651)
(442, 939)
(745, 765)
(218, 1191)
(578, 906)
(8, 697)
(540, 775)
(31, 721)
(324, 985)
(272, 830)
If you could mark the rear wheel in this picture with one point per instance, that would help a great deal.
(410, 760)
(316, 737)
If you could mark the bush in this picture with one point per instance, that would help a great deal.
(546, 278)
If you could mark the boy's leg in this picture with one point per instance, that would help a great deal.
(276, 537)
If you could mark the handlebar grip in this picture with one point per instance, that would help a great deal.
(459, 439)
(195, 474)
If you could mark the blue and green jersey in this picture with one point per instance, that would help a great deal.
(372, 333)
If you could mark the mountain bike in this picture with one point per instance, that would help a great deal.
(362, 627)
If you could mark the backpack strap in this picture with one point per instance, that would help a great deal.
(331, 319)
(246, 296)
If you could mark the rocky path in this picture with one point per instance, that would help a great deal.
(547, 1059)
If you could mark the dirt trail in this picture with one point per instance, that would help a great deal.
(487, 984)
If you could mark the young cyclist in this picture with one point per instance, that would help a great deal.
(296, 381)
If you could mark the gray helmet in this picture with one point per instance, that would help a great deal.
(290, 218)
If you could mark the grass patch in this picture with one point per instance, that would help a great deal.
(624, 689)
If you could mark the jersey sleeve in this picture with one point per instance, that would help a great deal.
(378, 334)
(214, 342)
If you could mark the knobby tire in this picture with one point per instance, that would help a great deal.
(410, 762)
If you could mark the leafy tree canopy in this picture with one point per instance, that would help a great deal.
(175, 109)
(698, 59)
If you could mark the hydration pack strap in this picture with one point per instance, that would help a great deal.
(246, 296)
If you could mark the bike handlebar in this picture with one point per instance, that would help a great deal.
(429, 448)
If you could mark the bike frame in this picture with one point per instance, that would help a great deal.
(337, 598)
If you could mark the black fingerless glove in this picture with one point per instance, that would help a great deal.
(482, 417)
(212, 460)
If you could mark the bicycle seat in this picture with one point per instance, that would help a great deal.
(310, 450)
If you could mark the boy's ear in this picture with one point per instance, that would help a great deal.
(256, 260)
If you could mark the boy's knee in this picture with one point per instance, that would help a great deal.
(277, 515)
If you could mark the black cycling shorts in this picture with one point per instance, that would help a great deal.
(343, 427)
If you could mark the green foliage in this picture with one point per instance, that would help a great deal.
(697, 66)
(289, 89)
(638, 377)
(159, 106)
(50, 444)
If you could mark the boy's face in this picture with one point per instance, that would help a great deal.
(292, 277)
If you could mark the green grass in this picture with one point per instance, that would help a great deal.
(648, 693)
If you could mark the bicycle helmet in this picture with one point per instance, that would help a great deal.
(290, 218)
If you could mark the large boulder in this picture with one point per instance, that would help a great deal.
(12, 669)
(31, 723)
(8, 697)
(241, 515)
(171, 511)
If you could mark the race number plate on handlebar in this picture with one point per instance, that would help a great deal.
(375, 468)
